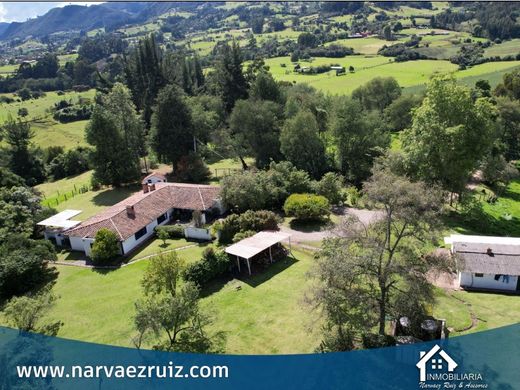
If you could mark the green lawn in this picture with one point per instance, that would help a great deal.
(155, 246)
(491, 310)
(264, 316)
(68, 184)
(50, 133)
(501, 218)
(39, 108)
(92, 202)
(368, 45)
(505, 48)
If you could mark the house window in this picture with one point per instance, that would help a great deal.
(140, 233)
(162, 218)
(479, 275)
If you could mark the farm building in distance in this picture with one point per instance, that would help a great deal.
(133, 220)
(487, 263)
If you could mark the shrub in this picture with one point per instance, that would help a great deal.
(105, 247)
(307, 207)
(162, 235)
(251, 220)
(374, 340)
(211, 265)
(330, 186)
(173, 231)
(241, 235)
(353, 195)
(192, 169)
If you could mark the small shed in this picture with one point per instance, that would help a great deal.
(254, 245)
(154, 178)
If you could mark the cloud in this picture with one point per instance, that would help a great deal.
(3, 13)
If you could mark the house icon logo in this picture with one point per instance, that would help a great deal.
(435, 360)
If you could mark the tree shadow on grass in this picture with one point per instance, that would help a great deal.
(112, 196)
(311, 226)
(475, 220)
(260, 274)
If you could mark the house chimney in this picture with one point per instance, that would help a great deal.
(152, 187)
(145, 188)
(489, 252)
(130, 211)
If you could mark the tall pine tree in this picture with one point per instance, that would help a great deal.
(116, 132)
(229, 76)
(171, 135)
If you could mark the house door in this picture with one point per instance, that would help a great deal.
(518, 283)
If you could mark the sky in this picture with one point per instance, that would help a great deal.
(21, 11)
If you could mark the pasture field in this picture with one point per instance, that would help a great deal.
(64, 58)
(40, 108)
(368, 45)
(51, 133)
(8, 69)
(64, 185)
(411, 74)
(505, 48)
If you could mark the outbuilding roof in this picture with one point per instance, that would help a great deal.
(137, 211)
(251, 246)
(153, 174)
(61, 220)
(488, 258)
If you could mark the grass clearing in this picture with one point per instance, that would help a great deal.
(491, 310)
(92, 202)
(68, 184)
(369, 45)
(505, 48)
(265, 316)
(40, 108)
(501, 218)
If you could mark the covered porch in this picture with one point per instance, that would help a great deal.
(252, 246)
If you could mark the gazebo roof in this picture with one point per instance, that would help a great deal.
(251, 246)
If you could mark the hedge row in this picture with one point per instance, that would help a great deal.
(174, 231)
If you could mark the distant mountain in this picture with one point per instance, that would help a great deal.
(76, 18)
(3, 27)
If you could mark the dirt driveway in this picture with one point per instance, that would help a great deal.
(300, 236)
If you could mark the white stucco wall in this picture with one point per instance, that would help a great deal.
(197, 234)
(131, 243)
(487, 281)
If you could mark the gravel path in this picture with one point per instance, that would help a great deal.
(365, 216)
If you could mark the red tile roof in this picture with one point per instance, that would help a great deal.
(148, 207)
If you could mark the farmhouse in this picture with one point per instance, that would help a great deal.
(487, 263)
(133, 220)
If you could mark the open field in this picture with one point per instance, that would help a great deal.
(39, 108)
(264, 316)
(8, 69)
(511, 47)
(491, 310)
(501, 218)
(369, 45)
(411, 74)
(51, 133)
(92, 202)
(64, 185)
